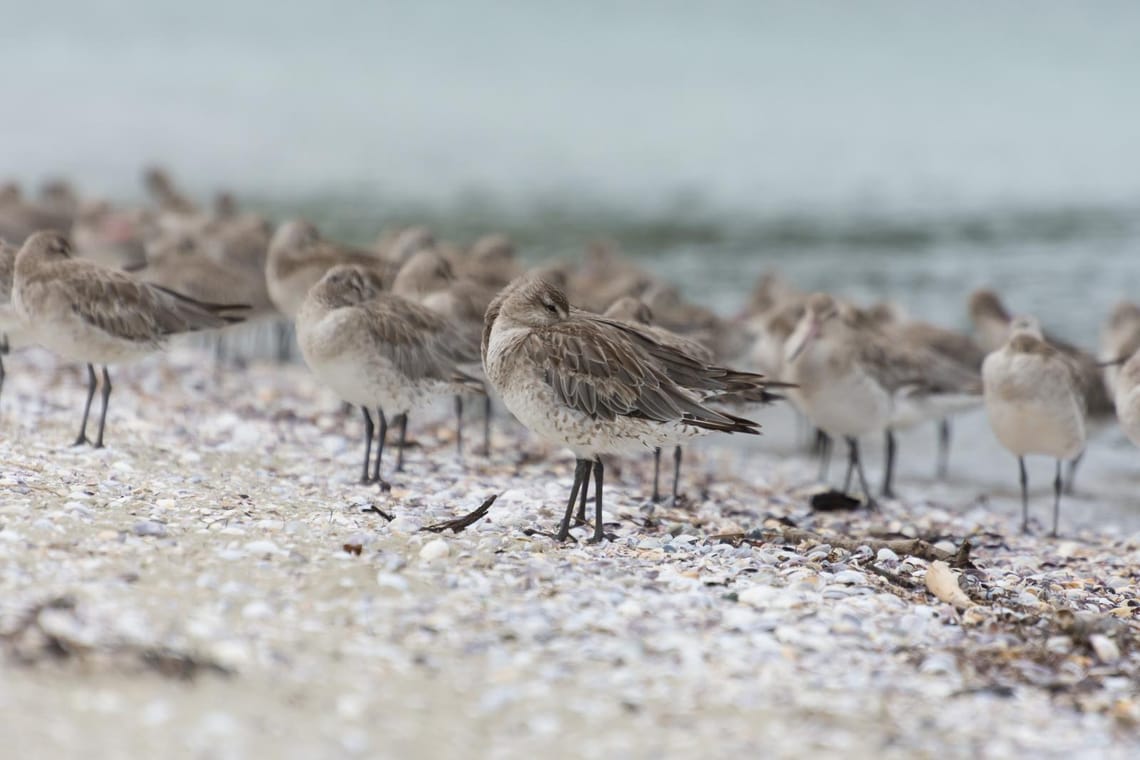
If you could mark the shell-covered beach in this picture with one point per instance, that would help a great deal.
(215, 583)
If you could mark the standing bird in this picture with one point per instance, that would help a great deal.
(1119, 339)
(88, 313)
(12, 331)
(429, 279)
(1035, 404)
(853, 379)
(993, 325)
(597, 385)
(1128, 397)
(298, 257)
(380, 351)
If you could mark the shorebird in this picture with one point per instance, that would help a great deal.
(12, 330)
(634, 311)
(953, 348)
(491, 262)
(20, 216)
(429, 279)
(380, 351)
(298, 257)
(1035, 404)
(166, 196)
(1128, 397)
(992, 323)
(853, 379)
(88, 313)
(1119, 339)
(111, 237)
(597, 385)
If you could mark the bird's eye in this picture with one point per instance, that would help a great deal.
(550, 307)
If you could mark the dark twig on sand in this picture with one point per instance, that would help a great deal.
(375, 509)
(458, 524)
(913, 547)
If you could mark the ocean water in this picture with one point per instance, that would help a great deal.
(884, 149)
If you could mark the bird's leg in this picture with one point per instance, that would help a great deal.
(599, 472)
(381, 434)
(487, 425)
(3, 350)
(823, 448)
(1024, 495)
(581, 472)
(889, 467)
(284, 347)
(1057, 485)
(91, 381)
(943, 449)
(656, 474)
(850, 467)
(676, 473)
(369, 429)
(403, 440)
(459, 425)
(103, 411)
(1070, 482)
(580, 518)
(857, 464)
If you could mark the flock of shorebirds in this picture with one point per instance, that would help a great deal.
(599, 356)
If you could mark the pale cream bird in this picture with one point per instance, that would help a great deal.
(1035, 404)
(380, 351)
(1128, 398)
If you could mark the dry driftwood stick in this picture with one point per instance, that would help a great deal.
(913, 547)
(459, 523)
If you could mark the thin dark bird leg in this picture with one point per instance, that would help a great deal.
(1071, 481)
(822, 447)
(459, 425)
(284, 341)
(1057, 485)
(889, 467)
(381, 434)
(487, 425)
(943, 449)
(580, 518)
(599, 473)
(581, 472)
(676, 473)
(656, 475)
(3, 350)
(853, 449)
(850, 468)
(1024, 495)
(91, 381)
(103, 412)
(403, 440)
(824, 450)
(369, 429)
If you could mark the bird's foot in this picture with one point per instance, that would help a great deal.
(81, 440)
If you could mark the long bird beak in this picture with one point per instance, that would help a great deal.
(811, 334)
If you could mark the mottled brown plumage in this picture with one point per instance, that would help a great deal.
(298, 258)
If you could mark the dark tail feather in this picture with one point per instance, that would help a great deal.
(724, 423)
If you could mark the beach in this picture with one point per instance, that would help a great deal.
(216, 583)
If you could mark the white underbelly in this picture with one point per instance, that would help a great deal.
(1028, 427)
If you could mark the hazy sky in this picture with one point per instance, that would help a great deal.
(756, 105)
